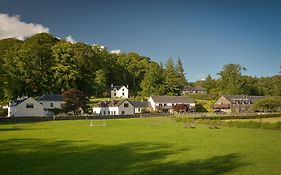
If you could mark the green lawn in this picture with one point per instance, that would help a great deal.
(157, 146)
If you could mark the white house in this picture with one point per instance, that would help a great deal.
(50, 102)
(166, 103)
(119, 92)
(25, 107)
(122, 107)
(141, 106)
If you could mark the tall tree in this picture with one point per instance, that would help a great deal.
(35, 61)
(181, 74)
(232, 81)
(8, 49)
(153, 82)
(65, 68)
(172, 80)
(100, 82)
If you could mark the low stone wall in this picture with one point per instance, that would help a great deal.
(37, 119)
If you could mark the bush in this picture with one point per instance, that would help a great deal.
(3, 112)
(239, 124)
(272, 104)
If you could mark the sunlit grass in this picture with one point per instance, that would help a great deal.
(136, 146)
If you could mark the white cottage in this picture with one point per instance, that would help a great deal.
(25, 107)
(119, 92)
(166, 103)
(51, 102)
(123, 107)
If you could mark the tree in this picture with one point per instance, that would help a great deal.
(272, 104)
(74, 100)
(152, 84)
(35, 61)
(6, 50)
(232, 81)
(172, 82)
(181, 74)
(100, 81)
(65, 67)
(209, 83)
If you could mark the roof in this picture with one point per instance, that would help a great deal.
(140, 104)
(172, 99)
(232, 98)
(51, 97)
(17, 101)
(194, 89)
(117, 87)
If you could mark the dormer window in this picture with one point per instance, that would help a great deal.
(29, 105)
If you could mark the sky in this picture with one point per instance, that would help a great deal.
(205, 34)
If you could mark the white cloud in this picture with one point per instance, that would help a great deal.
(12, 27)
(70, 39)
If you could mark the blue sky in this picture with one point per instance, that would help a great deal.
(205, 34)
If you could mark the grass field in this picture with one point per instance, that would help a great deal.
(269, 120)
(145, 146)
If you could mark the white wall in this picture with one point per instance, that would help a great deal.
(123, 92)
(47, 104)
(22, 111)
(116, 110)
(152, 103)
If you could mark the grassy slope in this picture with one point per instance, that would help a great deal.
(136, 146)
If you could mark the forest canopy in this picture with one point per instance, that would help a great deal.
(45, 64)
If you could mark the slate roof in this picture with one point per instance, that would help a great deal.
(252, 99)
(172, 99)
(51, 97)
(18, 101)
(140, 104)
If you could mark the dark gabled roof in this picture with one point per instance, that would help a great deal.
(18, 101)
(116, 87)
(51, 97)
(252, 99)
(194, 89)
(172, 99)
(140, 104)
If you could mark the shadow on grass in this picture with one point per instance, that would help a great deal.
(33, 156)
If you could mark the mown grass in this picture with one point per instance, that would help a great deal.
(136, 146)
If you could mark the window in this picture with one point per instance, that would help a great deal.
(122, 112)
(123, 94)
(108, 112)
(104, 112)
(123, 89)
(114, 112)
(160, 105)
(114, 94)
(51, 105)
(29, 105)
(126, 105)
(165, 104)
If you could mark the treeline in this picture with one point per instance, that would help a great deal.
(45, 64)
(233, 82)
